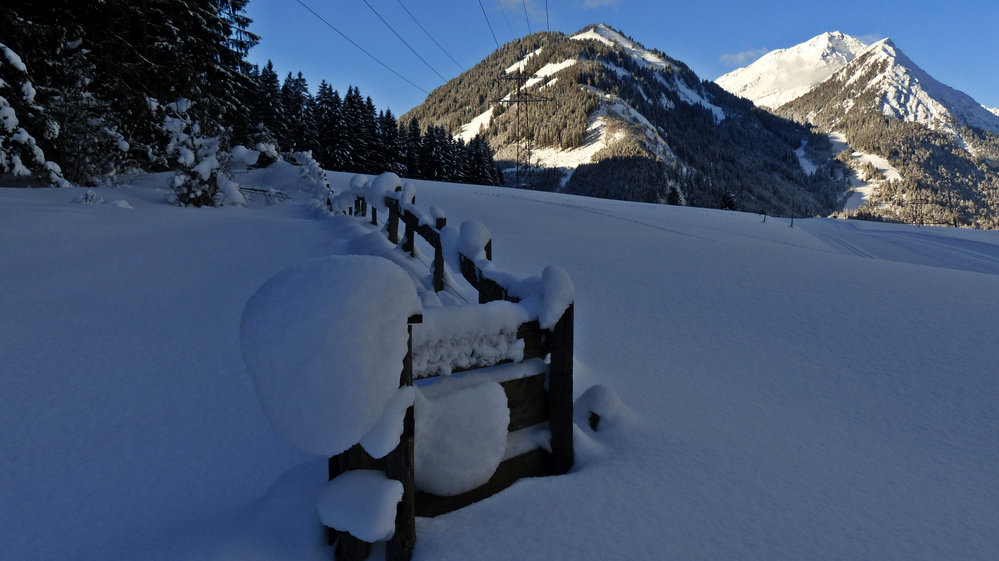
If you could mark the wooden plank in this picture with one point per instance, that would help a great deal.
(534, 339)
(529, 464)
(528, 401)
(349, 548)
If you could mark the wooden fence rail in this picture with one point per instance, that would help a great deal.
(541, 392)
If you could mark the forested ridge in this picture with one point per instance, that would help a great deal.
(745, 160)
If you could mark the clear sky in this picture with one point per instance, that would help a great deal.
(956, 42)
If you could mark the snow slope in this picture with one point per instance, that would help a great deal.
(785, 74)
(825, 391)
(909, 93)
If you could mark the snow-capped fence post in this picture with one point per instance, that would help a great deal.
(560, 393)
(409, 241)
(399, 466)
(393, 222)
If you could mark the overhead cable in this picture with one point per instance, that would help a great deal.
(527, 18)
(489, 24)
(351, 41)
(429, 35)
(506, 19)
(432, 69)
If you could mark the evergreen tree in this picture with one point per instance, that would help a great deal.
(390, 144)
(268, 109)
(412, 146)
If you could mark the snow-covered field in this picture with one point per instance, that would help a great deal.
(826, 391)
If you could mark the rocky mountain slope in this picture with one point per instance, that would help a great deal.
(613, 119)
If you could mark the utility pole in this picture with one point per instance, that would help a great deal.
(522, 97)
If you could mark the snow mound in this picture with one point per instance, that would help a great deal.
(324, 342)
(361, 502)
(460, 436)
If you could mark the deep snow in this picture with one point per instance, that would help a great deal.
(825, 391)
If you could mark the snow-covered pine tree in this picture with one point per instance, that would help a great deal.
(197, 154)
(21, 122)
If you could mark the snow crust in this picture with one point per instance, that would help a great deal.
(362, 503)
(785, 74)
(460, 436)
(324, 342)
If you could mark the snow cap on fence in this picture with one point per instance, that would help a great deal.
(358, 182)
(361, 502)
(474, 237)
(460, 437)
(408, 193)
(557, 293)
(324, 342)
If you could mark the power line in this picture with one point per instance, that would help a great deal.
(526, 18)
(489, 24)
(349, 40)
(548, 21)
(431, 36)
(506, 19)
(404, 41)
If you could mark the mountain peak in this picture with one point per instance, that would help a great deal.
(908, 92)
(782, 75)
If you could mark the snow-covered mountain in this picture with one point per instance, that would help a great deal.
(940, 139)
(785, 74)
(902, 90)
(612, 118)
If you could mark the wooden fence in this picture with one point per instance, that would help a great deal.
(544, 395)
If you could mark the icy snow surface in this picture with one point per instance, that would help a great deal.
(324, 342)
(819, 392)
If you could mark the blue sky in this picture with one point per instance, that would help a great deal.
(956, 42)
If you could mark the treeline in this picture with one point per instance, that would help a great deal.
(351, 134)
(91, 89)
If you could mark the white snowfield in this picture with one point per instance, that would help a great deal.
(821, 392)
